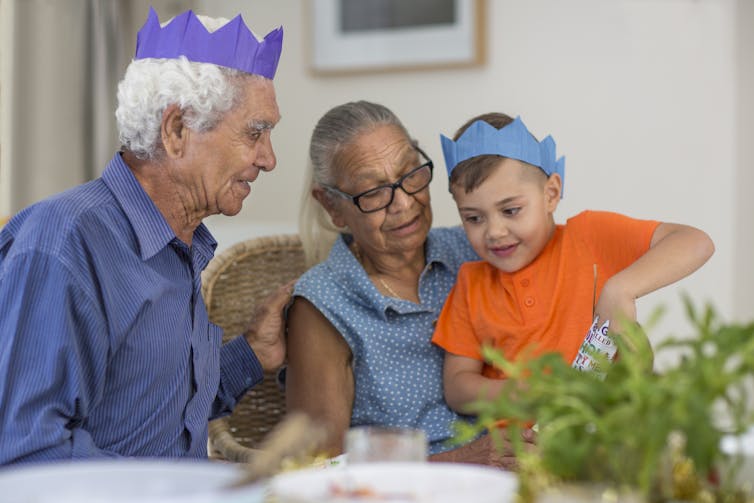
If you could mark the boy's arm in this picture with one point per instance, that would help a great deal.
(464, 383)
(675, 252)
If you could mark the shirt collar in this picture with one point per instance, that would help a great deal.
(355, 278)
(204, 244)
(436, 253)
(152, 230)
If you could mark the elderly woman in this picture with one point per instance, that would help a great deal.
(360, 325)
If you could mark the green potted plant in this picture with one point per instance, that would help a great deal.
(655, 435)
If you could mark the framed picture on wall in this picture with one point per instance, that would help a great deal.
(348, 36)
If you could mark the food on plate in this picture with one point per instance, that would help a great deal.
(367, 493)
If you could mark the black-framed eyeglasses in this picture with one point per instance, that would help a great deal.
(381, 197)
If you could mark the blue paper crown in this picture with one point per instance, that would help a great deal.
(232, 45)
(513, 141)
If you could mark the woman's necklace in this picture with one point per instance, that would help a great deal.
(357, 255)
(387, 287)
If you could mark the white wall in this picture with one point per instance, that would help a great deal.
(650, 100)
(641, 96)
(57, 122)
(744, 244)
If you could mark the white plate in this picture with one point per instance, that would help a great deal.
(127, 480)
(397, 483)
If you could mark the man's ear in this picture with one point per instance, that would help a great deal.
(321, 195)
(553, 191)
(173, 131)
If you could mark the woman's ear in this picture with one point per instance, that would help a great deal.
(173, 131)
(553, 191)
(321, 195)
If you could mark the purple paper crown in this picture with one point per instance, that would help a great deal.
(232, 45)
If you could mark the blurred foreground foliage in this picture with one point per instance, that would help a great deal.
(636, 429)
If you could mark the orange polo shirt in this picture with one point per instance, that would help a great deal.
(548, 304)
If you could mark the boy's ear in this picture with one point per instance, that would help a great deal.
(325, 200)
(553, 191)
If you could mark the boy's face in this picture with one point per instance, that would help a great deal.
(508, 218)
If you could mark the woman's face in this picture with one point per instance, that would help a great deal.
(380, 157)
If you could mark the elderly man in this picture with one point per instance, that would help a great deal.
(105, 345)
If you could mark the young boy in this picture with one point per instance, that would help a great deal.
(540, 284)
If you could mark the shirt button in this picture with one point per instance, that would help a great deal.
(524, 283)
(529, 301)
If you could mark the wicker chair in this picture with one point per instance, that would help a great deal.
(232, 284)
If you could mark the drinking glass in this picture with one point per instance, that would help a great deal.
(380, 443)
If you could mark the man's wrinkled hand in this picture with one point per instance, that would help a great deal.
(266, 334)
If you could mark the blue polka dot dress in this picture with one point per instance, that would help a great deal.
(397, 370)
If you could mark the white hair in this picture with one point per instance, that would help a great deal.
(203, 91)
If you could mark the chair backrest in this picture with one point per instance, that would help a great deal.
(233, 283)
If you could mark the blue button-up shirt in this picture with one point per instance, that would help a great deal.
(105, 345)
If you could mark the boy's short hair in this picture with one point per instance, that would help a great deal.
(471, 173)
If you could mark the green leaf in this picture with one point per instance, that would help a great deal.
(616, 430)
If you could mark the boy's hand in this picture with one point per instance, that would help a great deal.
(615, 304)
(619, 306)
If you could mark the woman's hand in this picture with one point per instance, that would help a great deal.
(484, 451)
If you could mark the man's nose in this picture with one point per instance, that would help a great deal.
(266, 159)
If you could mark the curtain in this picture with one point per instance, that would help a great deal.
(66, 59)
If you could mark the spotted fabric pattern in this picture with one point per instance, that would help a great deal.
(397, 369)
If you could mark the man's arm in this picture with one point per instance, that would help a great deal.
(53, 350)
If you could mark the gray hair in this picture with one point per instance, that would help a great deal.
(334, 132)
(205, 92)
